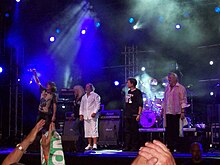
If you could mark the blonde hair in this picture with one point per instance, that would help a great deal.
(79, 89)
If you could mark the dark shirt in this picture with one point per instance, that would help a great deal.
(134, 100)
(76, 105)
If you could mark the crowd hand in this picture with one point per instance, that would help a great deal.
(159, 151)
(93, 115)
(139, 160)
(32, 135)
(46, 139)
(81, 117)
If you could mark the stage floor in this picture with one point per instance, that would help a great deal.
(106, 157)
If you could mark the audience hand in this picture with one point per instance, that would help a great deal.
(46, 140)
(155, 153)
(159, 151)
(32, 135)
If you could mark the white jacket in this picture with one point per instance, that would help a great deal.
(89, 105)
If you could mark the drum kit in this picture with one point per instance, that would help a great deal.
(150, 116)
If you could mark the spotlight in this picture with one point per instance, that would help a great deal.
(7, 14)
(97, 24)
(143, 69)
(144, 99)
(211, 93)
(30, 82)
(19, 79)
(63, 106)
(57, 30)
(178, 26)
(131, 20)
(135, 27)
(116, 83)
(1, 69)
(211, 62)
(83, 31)
(18, 0)
(217, 9)
(52, 39)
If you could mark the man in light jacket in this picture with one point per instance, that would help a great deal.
(89, 106)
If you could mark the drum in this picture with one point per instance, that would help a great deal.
(147, 119)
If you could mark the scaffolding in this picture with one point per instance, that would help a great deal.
(130, 66)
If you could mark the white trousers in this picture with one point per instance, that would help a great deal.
(91, 128)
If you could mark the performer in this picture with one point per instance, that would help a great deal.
(78, 125)
(133, 109)
(48, 102)
(173, 109)
(89, 107)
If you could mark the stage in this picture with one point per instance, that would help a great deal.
(107, 157)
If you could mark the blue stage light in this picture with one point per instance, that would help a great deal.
(18, 0)
(1, 69)
(217, 9)
(57, 30)
(116, 83)
(131, 20)
(97, 24)
(7, 14)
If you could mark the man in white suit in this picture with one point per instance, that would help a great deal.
(90, 105)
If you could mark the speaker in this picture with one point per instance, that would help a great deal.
(109, 132)
(213, 113)
(72, 138)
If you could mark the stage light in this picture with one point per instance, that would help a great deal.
(178, 26)
(144, 99)
(217, 9)
(52, 39)
(211, 62)
(97, 24)
(135, 27)
(116, 83)
(7, 14)
(18, 0)
(211, 93)
(30, 82)
(1, 69)
(63, 106)
(143, 69)
(57, 30)
(19, 79)
(83, 31)
(131, 20)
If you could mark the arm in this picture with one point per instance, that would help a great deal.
(54, 107)
(36, 77)
(81, 109)
(183, 102)
(46, 142)
(54, 112)
(97, 105)
(140, 107)
(17, 153)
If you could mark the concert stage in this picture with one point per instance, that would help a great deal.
(107, 157)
